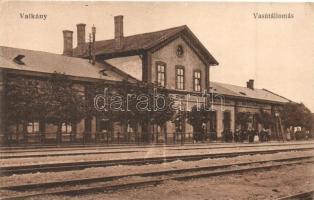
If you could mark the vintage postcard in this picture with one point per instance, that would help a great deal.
(156, 100)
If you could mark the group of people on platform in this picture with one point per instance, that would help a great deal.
(298, 133)
(252, 135)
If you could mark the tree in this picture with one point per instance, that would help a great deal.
(127, 95)
(129, 114)
(242, 119)
(296, 114)
(24, 103)
(160, 117)
(65, 104)
(133, 116)
(197, 117)
(265, 119)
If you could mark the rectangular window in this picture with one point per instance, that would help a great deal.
(66, 128)
(197, 81)
(33, 127)
(179, 77)
(161, 74)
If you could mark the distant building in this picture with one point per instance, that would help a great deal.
(173, 58)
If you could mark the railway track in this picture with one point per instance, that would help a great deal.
(66, 154)
(301, 196)
(55, 167)
(102, 146)
(127, 151)
(110, 184)
(194, 146)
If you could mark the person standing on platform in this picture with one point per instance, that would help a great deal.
(288, 134)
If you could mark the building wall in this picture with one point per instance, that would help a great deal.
(80, 128)
(189, 60)
(130, 64)
(254, 107)
(219, 106)
(228, 104)
(220, 109)
(49, 129)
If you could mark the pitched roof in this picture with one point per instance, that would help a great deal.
(145, 41)
(244, 92)
(38, 61)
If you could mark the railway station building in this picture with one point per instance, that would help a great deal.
(174, 59)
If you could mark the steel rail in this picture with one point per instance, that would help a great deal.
(202, 146)
(66, 154)
(116, 187)
(55, 167)
(24, 187)
(117, 152)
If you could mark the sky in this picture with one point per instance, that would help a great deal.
(277, 53)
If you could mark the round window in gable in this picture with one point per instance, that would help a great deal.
(179, 50)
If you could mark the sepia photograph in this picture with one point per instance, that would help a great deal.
(156, 100)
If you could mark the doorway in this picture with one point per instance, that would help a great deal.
(213, 125)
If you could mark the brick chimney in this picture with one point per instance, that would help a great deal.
(118, 30)
(250, 84)
(81, 37)
(67, 43)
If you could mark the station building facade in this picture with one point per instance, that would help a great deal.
(173, 59)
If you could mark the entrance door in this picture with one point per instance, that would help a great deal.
(180, 128)
(227, 135)
(66, 132)
(103, 127)
(213, 125)
(227, 120)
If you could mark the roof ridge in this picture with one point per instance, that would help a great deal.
(46, 62)
(37, 51)
(277, 94)
(30, 50)
(136, 44)
(237, 85)
(231, 84)
(257, 94)
(168, 29)
(164, 37)
(146, 33)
